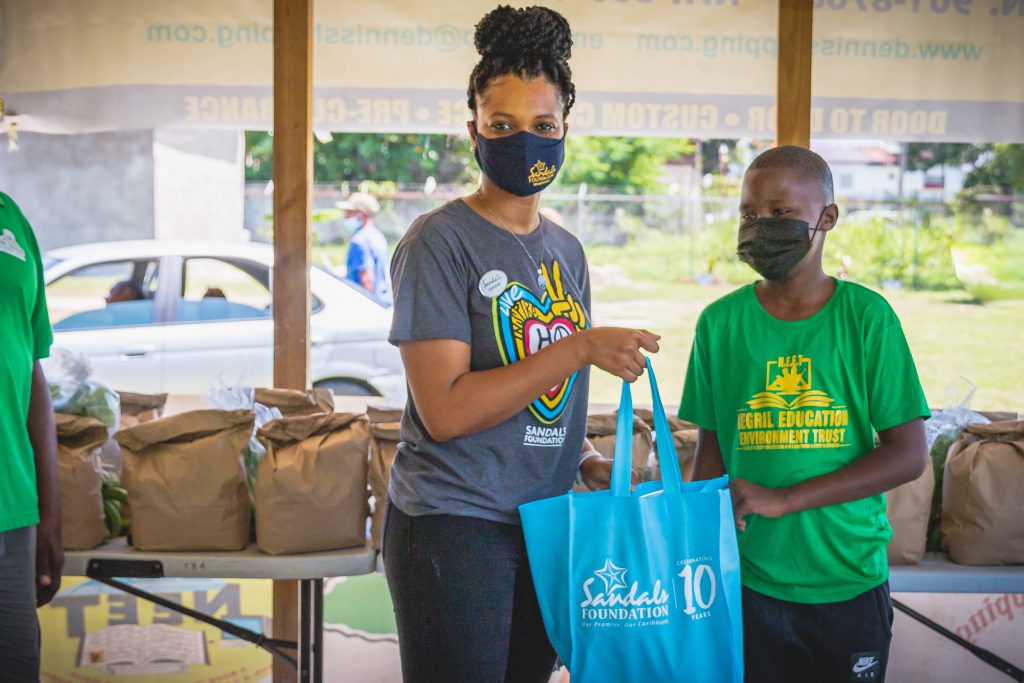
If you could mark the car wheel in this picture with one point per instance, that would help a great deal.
(344, 387)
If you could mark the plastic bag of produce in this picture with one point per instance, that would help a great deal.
(74, 393)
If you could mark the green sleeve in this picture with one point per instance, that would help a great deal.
(894, 390)
(42, 333)
(697, 403)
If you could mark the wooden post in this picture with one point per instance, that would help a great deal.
(793, 98)
(293, 193)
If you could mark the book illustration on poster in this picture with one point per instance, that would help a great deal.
(156, 649)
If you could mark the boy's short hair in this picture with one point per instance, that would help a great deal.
(807, 164)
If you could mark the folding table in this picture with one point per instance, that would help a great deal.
(117, 560)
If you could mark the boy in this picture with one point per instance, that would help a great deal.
(31, 557)
(788, 380)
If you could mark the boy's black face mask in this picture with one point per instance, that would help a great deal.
(774, 246)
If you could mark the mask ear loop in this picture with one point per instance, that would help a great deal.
(817, 224)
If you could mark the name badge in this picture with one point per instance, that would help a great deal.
(493, 283)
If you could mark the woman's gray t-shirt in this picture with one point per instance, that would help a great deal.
(458, 276)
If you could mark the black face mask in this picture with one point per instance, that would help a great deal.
(774, 246)
(521, 164)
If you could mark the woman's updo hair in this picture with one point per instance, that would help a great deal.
(527, 42)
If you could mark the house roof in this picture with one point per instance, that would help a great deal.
(854, 154)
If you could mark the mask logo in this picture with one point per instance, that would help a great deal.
(541, 174)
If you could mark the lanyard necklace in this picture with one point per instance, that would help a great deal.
(540, 271)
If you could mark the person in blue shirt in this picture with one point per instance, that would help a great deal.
(368, 257)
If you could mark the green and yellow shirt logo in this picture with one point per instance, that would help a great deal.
(790, 413)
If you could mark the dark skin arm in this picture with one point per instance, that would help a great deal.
(43, 436)
(455, 402)
(901, 457)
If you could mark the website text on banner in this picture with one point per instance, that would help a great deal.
(898, 69)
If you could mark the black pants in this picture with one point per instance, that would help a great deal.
(836, 642)
(464, 601)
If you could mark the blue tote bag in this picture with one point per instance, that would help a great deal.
(644, 584)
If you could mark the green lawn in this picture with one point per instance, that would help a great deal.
(949, 337)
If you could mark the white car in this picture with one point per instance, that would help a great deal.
(197, 314)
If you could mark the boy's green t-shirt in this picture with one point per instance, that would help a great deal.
(26, 337)
(795, 400)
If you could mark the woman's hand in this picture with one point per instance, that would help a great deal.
(617, 350)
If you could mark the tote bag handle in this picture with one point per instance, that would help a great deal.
(672, 477)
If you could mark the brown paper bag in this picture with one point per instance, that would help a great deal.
(383, 414)
(674, 423)
(908, 508)
(982, 499)
(310, 492)
(384, 438)
(292, 402)
(999, 415)
(80, 481)
(385, 425)
(139, 408)
(185, 480)
(135, 409)
(601, 432)
(685, 441)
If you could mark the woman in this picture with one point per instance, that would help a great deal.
(492, 317)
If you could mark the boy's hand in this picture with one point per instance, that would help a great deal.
(750, 499)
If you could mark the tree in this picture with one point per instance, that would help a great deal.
(355, 157)
(922, 156)
(1000, 170)
(632, 165)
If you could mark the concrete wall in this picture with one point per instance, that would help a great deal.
(168, 184)
(82, 188)
(199, 183)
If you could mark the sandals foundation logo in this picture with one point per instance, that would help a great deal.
(542, 174)
(525, 324)
(790, 412)
(613, 602)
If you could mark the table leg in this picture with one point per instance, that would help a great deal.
(305, 653)
(318, 629)
(311, 631)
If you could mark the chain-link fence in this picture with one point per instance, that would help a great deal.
(678, 236)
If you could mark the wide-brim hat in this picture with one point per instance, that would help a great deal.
(360, 201)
